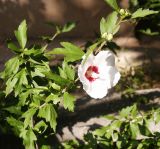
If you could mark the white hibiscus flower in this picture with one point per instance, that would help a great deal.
(98, 74)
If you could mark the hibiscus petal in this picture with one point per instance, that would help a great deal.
(83, 67)
(105, 57)
(97, 89)
(112, 76)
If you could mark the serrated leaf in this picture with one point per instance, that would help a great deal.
(115, 137)
(32, 51)
(21, 34)
(71, 52)
(100, 132)
(113, 4)
(22, 80)
(14, 110)
(23, 77)
(134, 111)
(109, 25)
(68, 101)
(37, 72)
(16, 124)
(49, 114)
(70, 72)
(28, 117)
(52, 97)
(13, 47)
(68, 27)
(40, 127)
(126, 111)
(28, 138)
(148, 31)
(62, 73)
(109, 117)
(55, 86)
(134, 130)
(10, 84)
(140, 13)
(22, 98)
(58, 80)
(12, 66)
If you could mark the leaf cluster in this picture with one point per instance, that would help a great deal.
(130, 129)
(33, 90)
(148, 25)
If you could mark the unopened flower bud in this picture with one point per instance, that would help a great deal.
(122, 11)
(107, 36)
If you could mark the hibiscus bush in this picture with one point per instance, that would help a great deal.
(148, 25)
(32, 91)
(130, 129)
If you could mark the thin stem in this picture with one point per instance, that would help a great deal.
(42, 105)
(36, 145)
(53, 37)
(100, 47)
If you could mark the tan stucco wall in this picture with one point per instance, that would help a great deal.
(86, 13)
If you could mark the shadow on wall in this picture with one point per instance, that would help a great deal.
(86, 12)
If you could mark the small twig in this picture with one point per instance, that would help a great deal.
(100, 47)
(53, 37)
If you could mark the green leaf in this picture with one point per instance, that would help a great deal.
(49, 114)
(71, 52)
(113, 4)
(62, 73)
(28, 138)
(22, 80)
(12, 66)
(22, 77)
(55, 86)
(21, 34)
(14, 110)
(109, 117)
(13, 47)
(148, 31)
(115, 137)
(134, 130)
(140, 13)
(37, 72)
(32, 51)
(68, 101)
(58, 80)
(70, 72)
(71, 144)
(109, 25)
(52, 97)
(134, 111)
(68, 27)
(23, 97)
(16, 124)
(10, 84)
(40, 127)
(100, 132)
(125, 112)
(46, 147)
(28, 115)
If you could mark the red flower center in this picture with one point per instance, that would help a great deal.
(90, 71)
